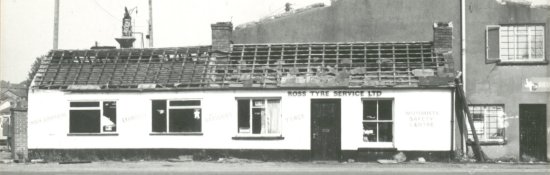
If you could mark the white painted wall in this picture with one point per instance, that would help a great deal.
(49, 121)
(409, 135)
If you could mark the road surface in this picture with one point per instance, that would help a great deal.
(161, 167)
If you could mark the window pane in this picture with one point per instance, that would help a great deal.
(186, 103)
(108, 120)
(258, 103)
(369, 110)
(369, 132)
(384, 110)
(385, 132)
(258, 118)
(488, 122)
(244, 116)
(159, 115)
(477, 117)
(493, 43)
(84, 121)
(522, 43)
(185, 120)
(273, 115)
(84, 104)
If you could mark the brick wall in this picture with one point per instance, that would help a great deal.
(443, 37)
(19, 128)
(221, 36)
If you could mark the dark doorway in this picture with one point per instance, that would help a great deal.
(325, 129)
(532, 132)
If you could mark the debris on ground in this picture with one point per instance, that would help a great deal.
(421, 160)
(386, 161)
(400, 157)
(7, 161)
(38, 161)
(182, 158)
(75, 162)
(397, 158)
(236, 160)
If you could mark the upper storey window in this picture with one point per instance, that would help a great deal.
(515, 43)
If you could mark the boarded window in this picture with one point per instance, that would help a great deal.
(378, 120)
(259, 116)
(90, 117)
(178, 116)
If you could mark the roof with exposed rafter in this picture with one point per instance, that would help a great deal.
(319, 65)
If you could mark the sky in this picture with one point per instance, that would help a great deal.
(26, 26)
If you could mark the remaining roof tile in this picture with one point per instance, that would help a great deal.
(246, 65)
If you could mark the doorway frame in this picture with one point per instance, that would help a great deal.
(338, 125)
(543, 122)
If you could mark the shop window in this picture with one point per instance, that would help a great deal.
(488, 122)
(515, 43)
(378, 120)
(92, 117)
(176, 116)
(259, 116)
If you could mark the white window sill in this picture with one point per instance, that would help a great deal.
(377, 145)
(175, 133)
(93, 134)
(523, 62)
(258, 137)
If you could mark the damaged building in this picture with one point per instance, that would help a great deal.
(298, 100)
(347, 81)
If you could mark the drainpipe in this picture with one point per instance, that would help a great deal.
(451, 153)
(463, 53)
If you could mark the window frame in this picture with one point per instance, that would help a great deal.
(167, 111)
(101, 112)
(484, 138)
(259, 136)
(392, 121)
(529, 34)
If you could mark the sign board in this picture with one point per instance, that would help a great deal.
(536, 84)
(334, 93)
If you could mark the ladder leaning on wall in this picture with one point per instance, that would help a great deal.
(461, 98)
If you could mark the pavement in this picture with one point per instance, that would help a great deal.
(191, 167)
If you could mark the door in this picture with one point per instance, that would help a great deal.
(532, 132)
(325, 129)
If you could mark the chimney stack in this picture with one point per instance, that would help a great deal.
(221, 36)
(127, 39)
(443, 37)
(443, 45)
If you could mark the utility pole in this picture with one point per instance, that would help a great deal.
(56, 25)
(150, 31)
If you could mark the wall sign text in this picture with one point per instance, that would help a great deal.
(335, 93)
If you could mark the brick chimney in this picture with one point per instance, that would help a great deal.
(221, 36)
(443, 37)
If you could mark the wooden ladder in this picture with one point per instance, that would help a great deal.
(461, 98)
